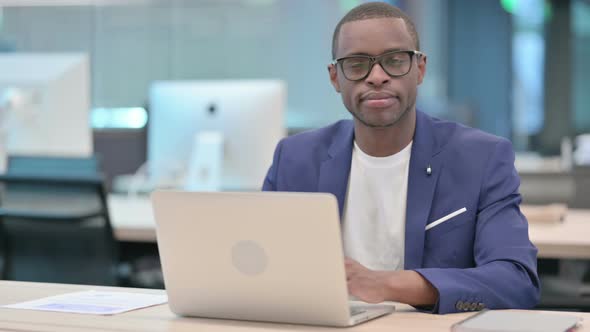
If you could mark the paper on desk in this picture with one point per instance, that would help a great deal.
(92, 302)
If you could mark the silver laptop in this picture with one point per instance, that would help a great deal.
(262, 256)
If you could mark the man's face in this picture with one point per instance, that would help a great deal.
(379, 100)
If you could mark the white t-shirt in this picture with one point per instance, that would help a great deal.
(375, 209)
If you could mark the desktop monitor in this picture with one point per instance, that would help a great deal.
(44, 105)
(214, 135)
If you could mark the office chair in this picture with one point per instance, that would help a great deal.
(565, 283)
(54, 222)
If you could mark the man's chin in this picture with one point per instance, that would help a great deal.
(379, 119)
(376, 122)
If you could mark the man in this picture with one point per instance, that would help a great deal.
(429, 208)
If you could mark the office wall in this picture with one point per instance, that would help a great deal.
(581, 64)
(480, 70)
(469, 75)
(130, 46)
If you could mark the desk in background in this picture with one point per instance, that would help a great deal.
(159, 318)
(563, 240)
(133, 221)
(132, 218)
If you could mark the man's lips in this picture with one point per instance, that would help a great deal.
(379, 100)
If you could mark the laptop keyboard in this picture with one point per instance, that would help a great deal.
(357, 310)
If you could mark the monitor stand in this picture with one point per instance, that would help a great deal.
(205, 167)
(3, 150)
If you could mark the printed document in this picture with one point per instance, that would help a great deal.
(93, 302)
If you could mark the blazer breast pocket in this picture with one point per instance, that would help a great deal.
(447, 223)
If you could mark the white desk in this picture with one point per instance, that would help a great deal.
(159, 318)
(133, 220)
(570, 239)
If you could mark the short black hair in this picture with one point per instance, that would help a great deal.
(374, 10)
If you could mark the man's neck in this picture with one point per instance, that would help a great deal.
(387, 141)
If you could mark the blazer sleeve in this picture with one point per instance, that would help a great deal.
(270, 181)
(505, 272)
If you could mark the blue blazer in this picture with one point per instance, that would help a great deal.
(480, 258)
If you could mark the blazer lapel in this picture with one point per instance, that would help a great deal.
(335, 170)
(421, 187)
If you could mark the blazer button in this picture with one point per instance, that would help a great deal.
(459, 305)
(466, 306)
(473, 306)
(481, 306)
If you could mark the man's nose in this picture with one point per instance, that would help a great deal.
(377, 76)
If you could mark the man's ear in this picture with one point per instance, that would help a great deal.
(421, 68)
(333, 71)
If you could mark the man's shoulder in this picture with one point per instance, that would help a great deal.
(452, 135)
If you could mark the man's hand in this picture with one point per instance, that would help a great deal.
(378, 286)
(367, 285)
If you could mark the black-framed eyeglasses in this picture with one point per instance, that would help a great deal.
(395, 64)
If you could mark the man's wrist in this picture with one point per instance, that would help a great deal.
(392, 286)
(409, 287)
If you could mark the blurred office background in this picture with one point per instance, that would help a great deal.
(515, 68)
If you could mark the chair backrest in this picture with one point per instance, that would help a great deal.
(55, 221)
(53, 166)
(569, 187)
(56, 189)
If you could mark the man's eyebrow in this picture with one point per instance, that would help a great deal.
(367, 54)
